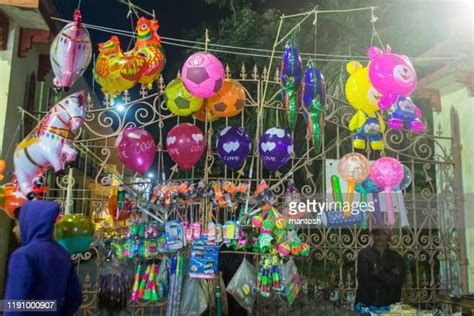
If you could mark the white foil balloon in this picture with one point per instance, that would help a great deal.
(50, 144)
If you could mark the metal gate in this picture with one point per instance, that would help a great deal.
(431, 246)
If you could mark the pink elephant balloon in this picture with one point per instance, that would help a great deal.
(136, 149)
(392, 75)
(185, 144)
(387, 172)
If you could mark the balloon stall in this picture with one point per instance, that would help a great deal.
(199, 215)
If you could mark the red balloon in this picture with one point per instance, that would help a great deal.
(136, 149)
(185, 144)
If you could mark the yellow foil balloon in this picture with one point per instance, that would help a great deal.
(179, 100)
(114, 71)
(367, 123)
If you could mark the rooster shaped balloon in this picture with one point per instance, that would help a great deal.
(148, 44)
(70, 53)
(115, 71)
(314, 100)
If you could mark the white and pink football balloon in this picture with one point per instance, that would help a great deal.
(203, 75)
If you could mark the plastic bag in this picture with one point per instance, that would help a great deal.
(291, 281)
(194, 299)
(242, 284)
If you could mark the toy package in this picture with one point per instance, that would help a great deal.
(204, 259)
(291, 281)
(241, 285)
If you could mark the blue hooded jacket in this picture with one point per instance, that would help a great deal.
(41, 269)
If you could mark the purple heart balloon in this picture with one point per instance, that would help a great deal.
(275, 148)
(233, 146)
(136, 149)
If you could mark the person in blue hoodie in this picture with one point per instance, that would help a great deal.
(41, 269)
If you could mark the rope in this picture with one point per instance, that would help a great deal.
(170, 40)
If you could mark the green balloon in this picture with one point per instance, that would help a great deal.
(75, 232)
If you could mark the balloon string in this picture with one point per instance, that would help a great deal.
(79, 4)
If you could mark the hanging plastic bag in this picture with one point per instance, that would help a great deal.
(194, 299)
(291, 281)
(242, 283)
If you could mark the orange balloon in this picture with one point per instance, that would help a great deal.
(2, 169)
(12, 203)
(229, 100)
(113, 204)
(201, 114)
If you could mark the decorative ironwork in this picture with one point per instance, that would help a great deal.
(330, 269)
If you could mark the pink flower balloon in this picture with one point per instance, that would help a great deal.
(387, 172)
(185, 144)
(136, 149)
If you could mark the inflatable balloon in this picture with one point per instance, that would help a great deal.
(275, 148)
(367, 123)
(201, 114)
(406, 181)
(10, 200)
(387, 172)
(352, 168)
(75, 232)
(136, 149)
(314, 101)
(203, 75)
(70, 53)
(233, 146)
(405, 114)
(50, 143)
(290, 81)
(3, 165)
(115, 71)
(179, 101)
(229, 100)
(148, 44)
(391, 74)
(185, 143)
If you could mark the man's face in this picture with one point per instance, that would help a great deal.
(381, 239)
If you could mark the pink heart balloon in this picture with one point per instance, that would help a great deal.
(136, 149)
(185, 144)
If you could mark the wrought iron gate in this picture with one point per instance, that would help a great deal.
(431, 246)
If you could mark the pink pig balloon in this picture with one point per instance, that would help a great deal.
(136, 149)
(185, 144)
(387, 172)
(391, 74)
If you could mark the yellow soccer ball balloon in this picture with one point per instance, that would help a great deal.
(179, 101)
(359, 90)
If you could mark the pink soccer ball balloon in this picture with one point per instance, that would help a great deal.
(392, 75)
(203, 75)
(387, 172)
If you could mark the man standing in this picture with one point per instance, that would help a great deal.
(380, 272)
(41, 269)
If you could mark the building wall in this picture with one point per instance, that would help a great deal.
(459, 97)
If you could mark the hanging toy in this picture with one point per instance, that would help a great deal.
(405, 114)
(2, 169)
(115, 71)
(367, 123)
(148, 45)
(70, 53)
(314, 101)
(387, 172)
(229, 100)
(179, 101)
(50, 144)
(392, 75)
(275, 148)
(290, 81)
(203, 74)
(75, 232)
(353, 168)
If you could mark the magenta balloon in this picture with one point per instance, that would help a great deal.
(386, 172)
(136, 149)
(185, 144)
